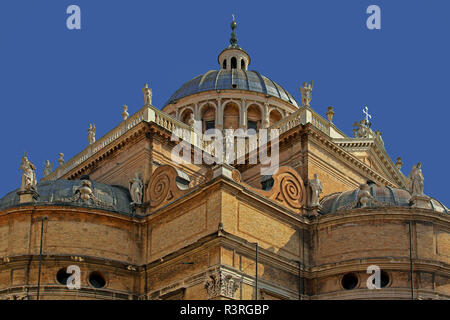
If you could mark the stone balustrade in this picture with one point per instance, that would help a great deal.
(185, 132)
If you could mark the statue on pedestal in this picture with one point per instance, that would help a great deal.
(147, 95)
(136, 187)
(306, 93)
(28, 182)
(416, 180)
(91, 133)
(315, 188)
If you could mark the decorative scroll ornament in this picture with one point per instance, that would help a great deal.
(236, 175)
(222, 284)
(288, 189)
(163, 187)
(85, 194)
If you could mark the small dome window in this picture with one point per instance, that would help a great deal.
(224, 65)
(62, 276)
(349, 281)
(97, 280)
(384, 279)
(233, 63)
(242, 64)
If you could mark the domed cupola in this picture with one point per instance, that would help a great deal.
(232, 96)
(233, 57)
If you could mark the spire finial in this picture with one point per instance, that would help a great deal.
(233, 40)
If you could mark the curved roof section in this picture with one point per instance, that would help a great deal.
(62, 192)
(382, 195)
(234, 79)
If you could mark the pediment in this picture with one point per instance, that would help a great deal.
(373, 154)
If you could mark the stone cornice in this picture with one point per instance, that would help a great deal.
(386, 213)
(377, 149)
(348, 158)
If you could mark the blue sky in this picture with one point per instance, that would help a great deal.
(55, 81)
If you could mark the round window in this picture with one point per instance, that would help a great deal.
(62, 276)
(349, 281)
(384, 279)
(97, 280)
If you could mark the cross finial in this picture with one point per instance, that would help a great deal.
(233, 17)
(366, 112)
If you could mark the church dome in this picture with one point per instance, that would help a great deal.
(233, 75)
(64, 193)
(382, 196)
(233, 79)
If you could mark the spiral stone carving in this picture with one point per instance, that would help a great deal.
(163, 187)
(236, 175)
(288, 189)
(291, 191)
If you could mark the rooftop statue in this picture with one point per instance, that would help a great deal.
(147, 95)
(416, 180)
(306, 93)
(48, 167)
(28, 176)
(91, 133)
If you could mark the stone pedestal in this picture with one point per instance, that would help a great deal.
(420, 201)
(139, 208)
(27, 196)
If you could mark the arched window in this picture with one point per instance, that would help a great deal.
(233, 63)
(274, 116)
(242, 64)
(253, 117)
(208, 113)
(225, 64)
